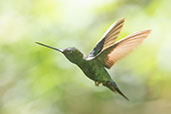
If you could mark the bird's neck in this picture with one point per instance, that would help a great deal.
(80, 61)
(76, 59)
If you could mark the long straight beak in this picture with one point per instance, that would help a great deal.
(60, 50)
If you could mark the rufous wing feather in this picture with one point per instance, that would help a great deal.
(122, 48)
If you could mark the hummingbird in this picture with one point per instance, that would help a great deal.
(104, 55)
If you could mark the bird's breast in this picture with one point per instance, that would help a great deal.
(93, 70)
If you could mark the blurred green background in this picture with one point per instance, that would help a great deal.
(37, 80)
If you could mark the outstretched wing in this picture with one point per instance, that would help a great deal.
(121, 48)
(108, 38)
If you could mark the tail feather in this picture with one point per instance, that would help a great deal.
(117, 89)
(112, 86)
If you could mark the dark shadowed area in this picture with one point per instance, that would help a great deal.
(37, 80)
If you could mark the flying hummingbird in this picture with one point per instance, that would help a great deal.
(106, 53)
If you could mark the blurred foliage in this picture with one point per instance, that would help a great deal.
(36, 80)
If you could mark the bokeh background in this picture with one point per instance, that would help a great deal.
(37, 80)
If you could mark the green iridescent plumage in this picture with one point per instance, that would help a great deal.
(104, 54)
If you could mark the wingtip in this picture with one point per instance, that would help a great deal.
(147, 31)
(121, 19)
(142, 32)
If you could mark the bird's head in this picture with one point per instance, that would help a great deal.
(73, 54)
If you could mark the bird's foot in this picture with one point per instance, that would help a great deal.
(97, 83)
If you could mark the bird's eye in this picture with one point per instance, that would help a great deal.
(69, 51)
